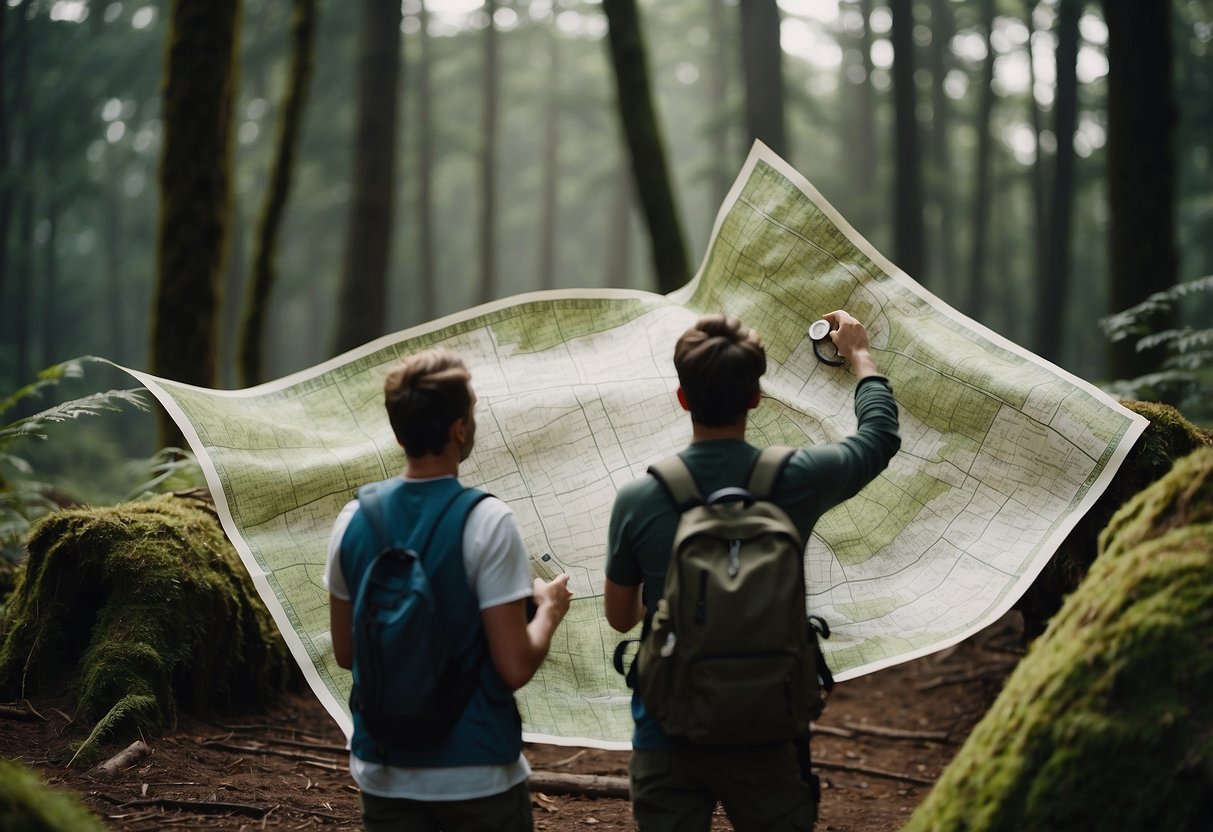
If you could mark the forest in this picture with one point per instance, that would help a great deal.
(1037, 165)
(227, 192)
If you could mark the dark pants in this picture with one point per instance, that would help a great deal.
(676, 790)
(510, 810)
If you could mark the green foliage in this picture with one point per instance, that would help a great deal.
(139, 610)
(1187, 372)
(29, 805)
(23, 498)
(1106, 723)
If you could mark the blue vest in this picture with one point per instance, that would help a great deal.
(489, 732)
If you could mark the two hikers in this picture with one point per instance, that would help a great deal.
(475, 778)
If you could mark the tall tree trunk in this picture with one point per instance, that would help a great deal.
(273, 209)
(425, 171)
(551, 166)
(942, 28)
(195, 188)
(362, 296)
(488, 159)
(1141, 168)
(234, 290)
(651, 175)
(618, 261)
(859, 151)
(981, 196)
(908, 243)
(6, 193)
(1039, 217)
(762, 63)
(1053, 284)
(717, 87)
(115, 295)
(50, 269)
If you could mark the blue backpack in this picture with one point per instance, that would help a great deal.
(410, 687)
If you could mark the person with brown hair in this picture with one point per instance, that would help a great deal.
(676, 785)
(473, 775)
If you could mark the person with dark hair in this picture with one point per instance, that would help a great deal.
(475, 776)
(676, 785)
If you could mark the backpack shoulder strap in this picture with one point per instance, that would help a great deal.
(675, 477)
(768, 470)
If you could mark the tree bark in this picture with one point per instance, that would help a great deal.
(551, 167)
(762, 64)
(651, 175)
(362, 298)
(273, 209)
(1141, 169)
(195, 187)
(942, 28)
(1039, 215)
(717, 88)
(1053, 284)
(981, 195)
(425, 172)
(908, 242)
(488, 160)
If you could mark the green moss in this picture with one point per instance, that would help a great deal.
(28, 805)
(1168, 437)
(139, 610)
(1107, 723)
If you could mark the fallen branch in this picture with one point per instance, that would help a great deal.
(567, 760)
(960, 678)
(831, 730)
(587, 785)
(124, 759)
(203, 806)
(873, 772)
(250, 749)
(896, 733)
(21, 713)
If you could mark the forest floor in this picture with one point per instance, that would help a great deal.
(881, 743)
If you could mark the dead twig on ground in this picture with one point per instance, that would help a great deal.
(567, 760)
(261, 749)
(202, 806)
(896, 733)
(831, 730)
(124, 759)
(987, 673)
(872, 772)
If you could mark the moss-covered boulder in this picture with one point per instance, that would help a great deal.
(136, 611)
(1107, 722)
(29, 805)
(1168, 437)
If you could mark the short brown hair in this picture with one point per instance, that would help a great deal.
(719, 362)
(424, 394)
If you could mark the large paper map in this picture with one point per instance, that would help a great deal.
(1002, 452)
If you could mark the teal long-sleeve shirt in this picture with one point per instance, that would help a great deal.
(817, 478)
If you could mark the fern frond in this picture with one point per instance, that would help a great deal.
(91, 405)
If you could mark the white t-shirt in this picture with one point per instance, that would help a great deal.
(498, 573)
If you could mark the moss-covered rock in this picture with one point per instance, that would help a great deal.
(29, 805)
(1107, 723)
(138, 610)
(1168, 437)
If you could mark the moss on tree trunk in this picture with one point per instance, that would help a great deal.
(1107, 723)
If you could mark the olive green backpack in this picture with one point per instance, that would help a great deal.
(731, 656)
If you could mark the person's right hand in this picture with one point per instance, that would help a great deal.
(554, 594)
(847, 333)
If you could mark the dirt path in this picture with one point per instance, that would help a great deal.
(883, 739)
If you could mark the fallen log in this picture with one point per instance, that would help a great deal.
(585, 785)
(124, 759)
